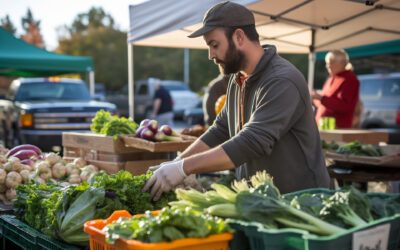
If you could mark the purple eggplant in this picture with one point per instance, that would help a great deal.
(147, 134)
(25, 154)
(153, 126)
(16, 149)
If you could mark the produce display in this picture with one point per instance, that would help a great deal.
(150, 131)
(329, 146)
(170, 224)
(61, 211)
(26, 162)
(360, 149)
(106, 124)
(262, 202)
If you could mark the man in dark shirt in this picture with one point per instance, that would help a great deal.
(162, 107)
(216, 88)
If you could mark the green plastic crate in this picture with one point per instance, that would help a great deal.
(252, 235)
(17, 232)
(26, 237)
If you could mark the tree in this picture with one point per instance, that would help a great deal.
(8, 25)
(32, 30)
(93, 34)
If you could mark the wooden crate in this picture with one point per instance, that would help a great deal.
(136, 162)
(97, 142)
(349, 135)
(108, 154)
(165, 146)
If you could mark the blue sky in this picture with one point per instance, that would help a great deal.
(56, 13)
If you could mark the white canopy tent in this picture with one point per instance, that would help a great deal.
(293, 26)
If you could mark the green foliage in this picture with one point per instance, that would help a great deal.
(104, 123)
(360, 149)
(101, 118)
(384, 207)
(27, 20)
(168, 225)
(93, 34)
(330, 146)
(60, 212)
(128, 189)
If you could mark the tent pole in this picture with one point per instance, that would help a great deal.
(311, 62)
(91, 82)
(186, 66)
(130, 79)
(311, 70)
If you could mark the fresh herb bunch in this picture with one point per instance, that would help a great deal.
(101, 118)
(105, 123)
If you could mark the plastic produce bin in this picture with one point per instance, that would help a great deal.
(98, 241)
(252, 235)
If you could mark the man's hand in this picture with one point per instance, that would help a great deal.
(166, 177)
(154, 168)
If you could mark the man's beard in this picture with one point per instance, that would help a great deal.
(234, 60)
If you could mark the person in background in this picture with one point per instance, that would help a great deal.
(216, 88)
(267, 122)
(162, 106)
(340, 93)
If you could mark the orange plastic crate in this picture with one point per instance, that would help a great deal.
(98, 238)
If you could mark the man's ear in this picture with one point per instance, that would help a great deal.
(239, 37)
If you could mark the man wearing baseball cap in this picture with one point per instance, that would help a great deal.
(267, 122)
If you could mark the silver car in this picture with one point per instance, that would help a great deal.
(380, 95)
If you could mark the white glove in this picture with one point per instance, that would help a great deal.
(166, 177)
(154, 168)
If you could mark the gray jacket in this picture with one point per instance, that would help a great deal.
(279, 133)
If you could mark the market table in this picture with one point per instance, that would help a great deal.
(363, 173)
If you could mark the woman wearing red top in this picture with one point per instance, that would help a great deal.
(339, 95)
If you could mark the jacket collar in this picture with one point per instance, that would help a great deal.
(269, 52)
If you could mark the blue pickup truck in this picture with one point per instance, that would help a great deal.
(37, 110)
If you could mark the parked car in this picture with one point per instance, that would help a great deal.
(182, 97)
(38, 110)
(99, 92)
(380, 95)
(194, 115)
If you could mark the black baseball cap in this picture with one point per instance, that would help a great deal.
(225, 14)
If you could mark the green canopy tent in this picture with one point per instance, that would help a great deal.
(18, 58)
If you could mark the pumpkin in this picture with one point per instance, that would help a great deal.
(219, 104)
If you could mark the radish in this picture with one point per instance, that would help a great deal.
(160, 136)
(153, 126)
(144, 123)
(167, 130)
(15, 150)
(147, 134)
(139, 131)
